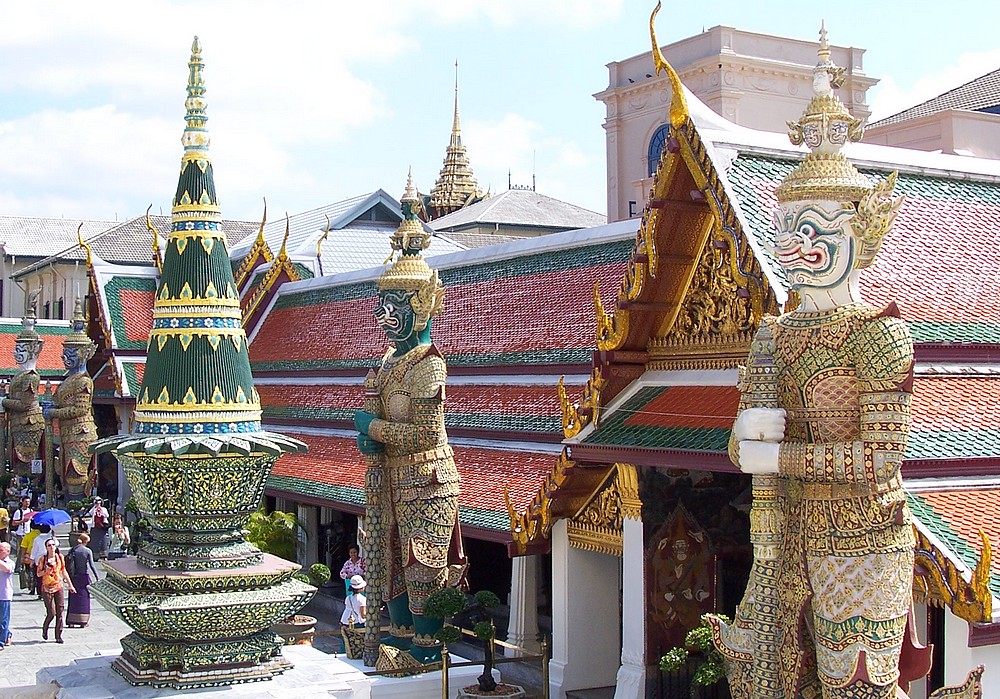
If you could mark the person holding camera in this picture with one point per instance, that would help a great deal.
(51, 571)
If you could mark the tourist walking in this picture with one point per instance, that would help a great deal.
(80, 565)
(355, 603)
(4, 523)
(120, 539)
(6, 592)
(27, 574)
(99, 529)
(354, 565)
(51, 571)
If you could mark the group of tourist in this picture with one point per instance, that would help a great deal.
(32, 554)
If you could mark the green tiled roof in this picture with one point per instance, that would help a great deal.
(120, 315)
(474, 421)
(928, 331)
(468, 516)
(943, 444)
(955, 542)
(614, 432)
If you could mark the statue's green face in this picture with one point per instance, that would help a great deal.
(395, 315)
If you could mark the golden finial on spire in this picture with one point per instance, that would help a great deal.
(678, 105)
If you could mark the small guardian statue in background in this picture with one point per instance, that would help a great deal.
(72, 406)
(24, 412)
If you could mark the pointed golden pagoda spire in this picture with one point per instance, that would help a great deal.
(456, 186)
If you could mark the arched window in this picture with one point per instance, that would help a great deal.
(656, 144)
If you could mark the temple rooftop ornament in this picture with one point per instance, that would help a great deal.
(456, 186)
(200, 597)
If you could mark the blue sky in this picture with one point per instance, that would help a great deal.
(311, 102)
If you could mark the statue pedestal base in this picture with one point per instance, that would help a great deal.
(203, 628)
(315, 674)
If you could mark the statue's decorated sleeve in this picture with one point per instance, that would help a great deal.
(23, 395)
(883, 353)
(427, 380)
(757, 383)
(79, 403)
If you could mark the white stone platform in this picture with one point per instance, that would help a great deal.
(315, 674)
(424, 686)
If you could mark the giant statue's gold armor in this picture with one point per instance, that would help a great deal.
(72, 407)
(412, 485)
(824, 415)
(24, 413)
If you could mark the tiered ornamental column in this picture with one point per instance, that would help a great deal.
(199, 597)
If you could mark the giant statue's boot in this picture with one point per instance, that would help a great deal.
(426, 649)
(401, 620)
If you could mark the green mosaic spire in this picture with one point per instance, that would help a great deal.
(197, 391)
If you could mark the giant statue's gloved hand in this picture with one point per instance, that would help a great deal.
(362, 420)
(760, 424)
(368, 446)
(759, 458)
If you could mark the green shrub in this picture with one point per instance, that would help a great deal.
(319, 574)
(697, 643)
(75, 506)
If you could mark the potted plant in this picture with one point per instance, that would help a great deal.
(697, 647)
(447, 604)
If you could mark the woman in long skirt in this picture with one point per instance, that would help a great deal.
(80, 563)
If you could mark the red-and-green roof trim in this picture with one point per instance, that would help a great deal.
(938, 263)
(956, 515)
(494, 408)
(130, 305)
(953, 417)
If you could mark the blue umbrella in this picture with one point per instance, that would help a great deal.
(52, 517)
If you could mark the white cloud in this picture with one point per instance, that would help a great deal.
(890, 97)
(55, 157)
(520, 146)
(571, 13)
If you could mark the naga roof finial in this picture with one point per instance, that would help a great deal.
(678, 105)
(80, 241)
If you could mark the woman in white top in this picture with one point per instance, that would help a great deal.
(354, 603)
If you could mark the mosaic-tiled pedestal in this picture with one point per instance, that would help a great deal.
(201, 628)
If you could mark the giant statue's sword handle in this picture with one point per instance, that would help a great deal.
(375, 508)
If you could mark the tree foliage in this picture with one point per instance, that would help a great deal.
(276, 533)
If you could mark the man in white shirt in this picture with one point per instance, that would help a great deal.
(20, 526)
